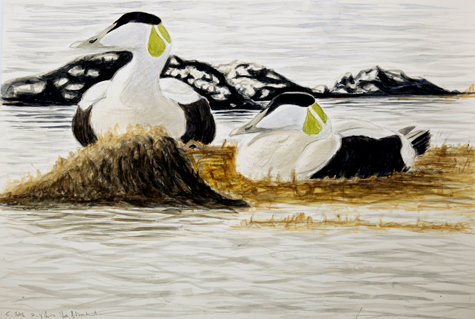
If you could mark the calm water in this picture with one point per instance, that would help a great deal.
(113, 262)
(154, 263)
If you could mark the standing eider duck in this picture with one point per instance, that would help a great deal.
(135, 95)
(296, 139)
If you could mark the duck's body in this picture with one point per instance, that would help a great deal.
(134, 95)
(298, 140)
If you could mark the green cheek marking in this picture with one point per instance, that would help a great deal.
(311, 126)
(164, 33)
(156, 46)
(320, 112)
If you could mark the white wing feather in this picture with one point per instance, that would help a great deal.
(95, 93)
(178, 91)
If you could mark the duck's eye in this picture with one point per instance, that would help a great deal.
(92, 41)
(156, 46)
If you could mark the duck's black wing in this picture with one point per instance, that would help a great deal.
(82, 128)
(200, 124)
(362, 156)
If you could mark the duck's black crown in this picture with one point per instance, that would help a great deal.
(296, 98)
(136, 17)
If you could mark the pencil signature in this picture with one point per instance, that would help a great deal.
(71, 314)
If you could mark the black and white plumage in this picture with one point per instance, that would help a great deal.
(135, 94)
(295, 138)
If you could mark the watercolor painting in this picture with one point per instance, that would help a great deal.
(237, 159)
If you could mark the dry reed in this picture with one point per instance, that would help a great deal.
(300, 221)
(443, 178)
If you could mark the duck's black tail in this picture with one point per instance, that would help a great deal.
(420, 140)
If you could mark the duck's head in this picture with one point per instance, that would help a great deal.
(290, 110)
(138, 32)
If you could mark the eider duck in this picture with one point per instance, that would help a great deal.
(296, 139)
(135, 95)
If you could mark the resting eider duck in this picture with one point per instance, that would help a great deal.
(135, 95)
(296, 139)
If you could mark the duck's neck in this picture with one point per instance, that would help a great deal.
(137, 82)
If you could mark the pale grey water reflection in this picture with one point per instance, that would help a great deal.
(154, 263)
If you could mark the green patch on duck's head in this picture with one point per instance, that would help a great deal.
(156, 45)
(320, 112)
(311, 126)
(164, 33)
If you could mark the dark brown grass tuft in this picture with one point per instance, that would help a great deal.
(142, 167)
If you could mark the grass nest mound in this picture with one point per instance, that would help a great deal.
(142, 167)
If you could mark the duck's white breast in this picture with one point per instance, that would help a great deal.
(109, 113)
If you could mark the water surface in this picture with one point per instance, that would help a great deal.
(124, 262)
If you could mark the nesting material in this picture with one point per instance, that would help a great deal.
(301, 222)
(442, 179)
(142, 167)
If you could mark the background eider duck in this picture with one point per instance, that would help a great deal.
(295, 136)
(135, 95)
